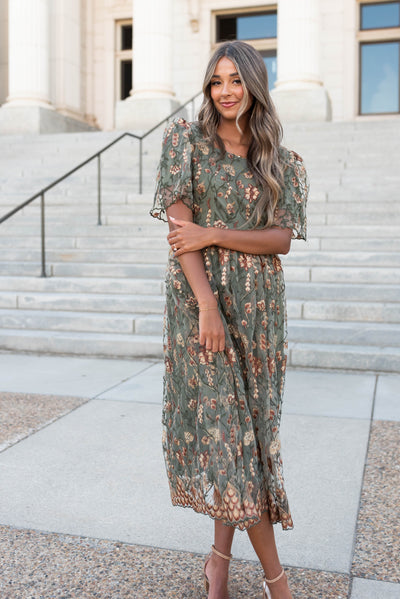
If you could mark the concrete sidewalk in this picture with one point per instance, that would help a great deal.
(82, 477)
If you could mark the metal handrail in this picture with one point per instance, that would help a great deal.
(97, 155)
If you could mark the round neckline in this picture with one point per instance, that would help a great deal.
(230, 155)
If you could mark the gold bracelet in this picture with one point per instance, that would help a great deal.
(207, 309)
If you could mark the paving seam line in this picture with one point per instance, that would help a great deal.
(361, 488)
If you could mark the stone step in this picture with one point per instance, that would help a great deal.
(385, 218)
(343, 311)
(130, 286)
(117, 256)
(385, 239)
(136, 218)
(121, 201)
(330, 332)
(65, 269)
(119, 195)
(153, 228)
(351, 274)
(354, 231)
(345, 357)
(360, 245)
(109, 303)
(75, 218)
(71, 200)
(83, 204)
(96, 322)
(353, 208)
(304, 355)
(87, 212)
(331, 258)
(138, 242)
(319, 225)
(348, 275)
(150, 238)
(147, 286)
(351, 311)
(335, 212)
(344, 194)
(93, 232)
(23, 269)
(342, 292)
(344, 333)
(93, 302)
(81, 344)
(148, 256)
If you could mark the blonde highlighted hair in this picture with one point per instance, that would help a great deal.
(265, 127)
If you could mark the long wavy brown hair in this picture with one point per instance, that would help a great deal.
(266, 130)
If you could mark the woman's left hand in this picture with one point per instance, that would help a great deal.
(188, 237)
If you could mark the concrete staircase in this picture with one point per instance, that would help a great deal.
(104, 292)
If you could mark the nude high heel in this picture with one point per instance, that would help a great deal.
(227, 557)
(267, 593)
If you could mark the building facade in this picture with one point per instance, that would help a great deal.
(125, 64)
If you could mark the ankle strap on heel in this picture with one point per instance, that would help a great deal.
(227, 557)
(275, 579)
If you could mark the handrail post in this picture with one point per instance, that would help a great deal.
(193, 109)
(99, 189)
(141, 165)
(42, 235)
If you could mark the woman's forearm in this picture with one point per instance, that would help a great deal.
(193, 268)
(186, 236)
(254, 241)
(192, 263)
(211, 328)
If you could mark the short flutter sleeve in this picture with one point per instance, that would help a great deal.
(291, 209)
(174, 176)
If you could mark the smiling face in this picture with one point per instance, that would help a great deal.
(226, 90)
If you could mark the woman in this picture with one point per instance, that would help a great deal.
(234, 198)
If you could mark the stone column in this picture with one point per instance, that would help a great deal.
(28, 107)
(299, 93)
(152, 96)
(29, 53)
(3, 51)
(67, 57)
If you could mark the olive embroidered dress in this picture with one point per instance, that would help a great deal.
(221, 411)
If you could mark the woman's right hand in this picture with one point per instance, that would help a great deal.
(211, 330)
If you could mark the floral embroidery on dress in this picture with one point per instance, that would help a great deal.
(222, 411)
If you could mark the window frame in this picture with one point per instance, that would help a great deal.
(370, 36)
(264, 43)
(360, 87)
(364, 3)
(121, 55)
(237, 15)
(260, 44)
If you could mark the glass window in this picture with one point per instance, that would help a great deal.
(269, 57)
(380, 77)
(126, 78)
(226, 28)
(380, 15)
(126, 37)
(247, 27)
(254, 27)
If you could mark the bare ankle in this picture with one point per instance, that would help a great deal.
(278, 587)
